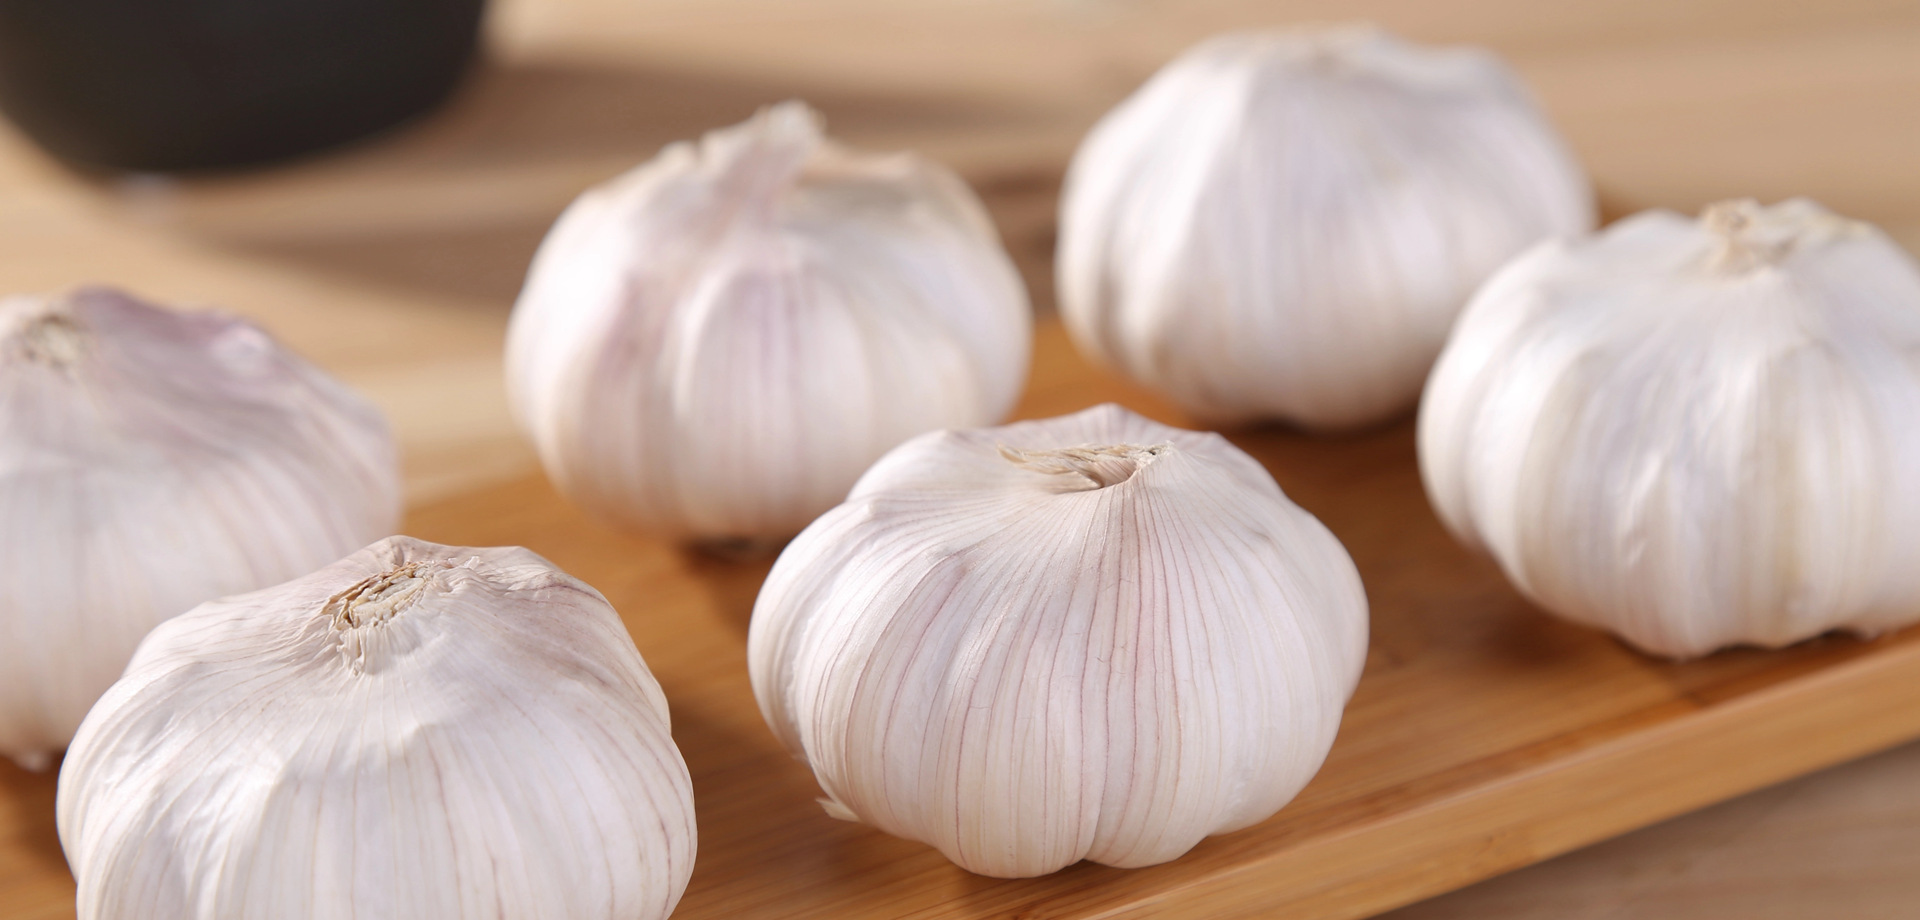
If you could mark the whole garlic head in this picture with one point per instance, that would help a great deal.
(152, 460)
(1284, 225)
(416, 731)
(1088, 637)
(716, 344)
(1692, 433)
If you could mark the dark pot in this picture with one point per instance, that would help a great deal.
(195, 84)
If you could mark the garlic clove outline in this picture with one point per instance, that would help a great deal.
(152, 460)
(1087, 637)
(715, 345)
(417, 731)
(1283, 225)
(1693, 433)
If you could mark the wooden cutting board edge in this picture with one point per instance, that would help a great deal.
(1682, 764)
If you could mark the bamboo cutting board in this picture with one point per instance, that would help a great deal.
(1484, 735)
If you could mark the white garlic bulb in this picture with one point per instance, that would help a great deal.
(416, 731)
(1284, 225)
(716, 344)
(1695, 434)
(149, 461)
(1088, 637)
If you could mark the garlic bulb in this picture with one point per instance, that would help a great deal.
(1695, 434)
(1088, 637)
(716, 344)
(416, 731)
(152, 460)
(1284, 225)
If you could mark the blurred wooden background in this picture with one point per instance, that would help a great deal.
(394, 262)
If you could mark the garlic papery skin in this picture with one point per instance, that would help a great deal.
(1695, 434)
(151, 460)
(416, 731)
(1284, 225)
(1087, 637)
(717, 344)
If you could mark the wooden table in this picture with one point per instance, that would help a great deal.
(394, 263)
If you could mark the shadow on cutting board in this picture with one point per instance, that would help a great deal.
(30, 797)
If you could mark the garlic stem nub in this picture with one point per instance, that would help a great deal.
(1739, 249)
(1093, 467)
(50, 336)
(1749, 237)
(378, 598)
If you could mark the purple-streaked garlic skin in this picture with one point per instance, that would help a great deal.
(1087, 637)
(1692, 433)
(715, 345)
(419, 731)
(155, 459)
(1283, 225)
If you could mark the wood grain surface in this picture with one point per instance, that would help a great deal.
(1484, 736)
(1844, 843)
